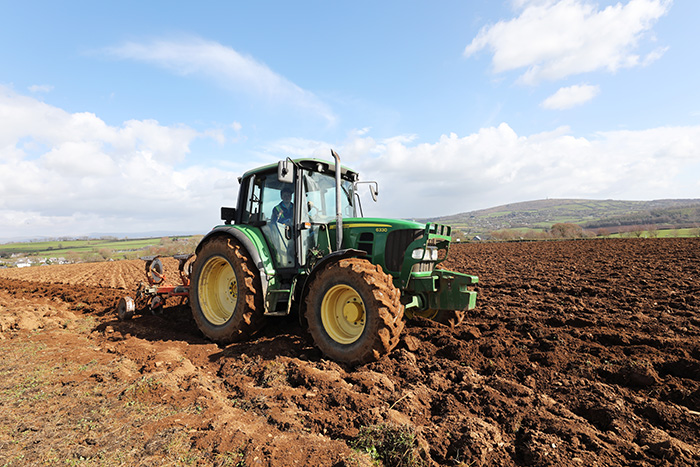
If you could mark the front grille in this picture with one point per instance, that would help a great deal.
(423, 266)
(366, 242)
(396, 243)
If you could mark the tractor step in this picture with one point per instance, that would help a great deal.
(278, 303)
(276, 313)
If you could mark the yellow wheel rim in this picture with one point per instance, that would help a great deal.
(429, 313)
(343, 314)
(218, 291)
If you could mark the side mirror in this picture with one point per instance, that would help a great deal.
(373, 189)
(228, 214)
(285, 171)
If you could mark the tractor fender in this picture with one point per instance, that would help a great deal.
(247, 243)
(320, 264)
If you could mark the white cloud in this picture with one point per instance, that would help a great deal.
(555, 39)
(497, 166)
(225, 65)
(37, 88)
(165, 144)
(571, 96)
(72, 174)
(77, 159)
(64, 173)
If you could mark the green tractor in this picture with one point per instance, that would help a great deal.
(297, 242)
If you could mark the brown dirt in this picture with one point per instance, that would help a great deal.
(579, 353)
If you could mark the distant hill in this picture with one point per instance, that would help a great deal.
(611, 215)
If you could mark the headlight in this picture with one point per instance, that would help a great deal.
(431, 254)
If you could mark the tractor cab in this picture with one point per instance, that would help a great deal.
(293, 210)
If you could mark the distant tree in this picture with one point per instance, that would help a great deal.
(169, 247)
(105, 253)
(504, 235)
(131, 255)
(652, 231)
(458, 236)
(535, 235)
(72, 257)
(566, 230)
(91, 257)
(627, 231)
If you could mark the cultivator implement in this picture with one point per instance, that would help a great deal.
(153, 294)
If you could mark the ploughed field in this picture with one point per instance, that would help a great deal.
(579, 353)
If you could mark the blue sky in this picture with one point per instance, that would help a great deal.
(139, 116)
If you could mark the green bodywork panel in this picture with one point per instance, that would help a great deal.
(442, 290)
(254, 235)
(355, 228)
(438, 289)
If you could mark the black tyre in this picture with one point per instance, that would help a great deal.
(226, 292)
(354, 312)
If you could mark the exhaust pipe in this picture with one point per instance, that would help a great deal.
(338, 211)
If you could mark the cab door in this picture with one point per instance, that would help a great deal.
(276, 218)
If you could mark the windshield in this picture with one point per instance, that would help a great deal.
(319, 193)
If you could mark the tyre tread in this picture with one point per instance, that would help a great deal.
(387, 303)
(248, 317)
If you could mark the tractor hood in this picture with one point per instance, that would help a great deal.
(376, 223)
(393, 243)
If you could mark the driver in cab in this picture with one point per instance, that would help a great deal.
(283, 213)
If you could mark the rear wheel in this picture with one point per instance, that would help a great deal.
(354, 311)
(225, 292)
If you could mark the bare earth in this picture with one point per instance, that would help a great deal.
(580, 353)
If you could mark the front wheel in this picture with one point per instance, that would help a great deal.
(226, 292)
(354, 312)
